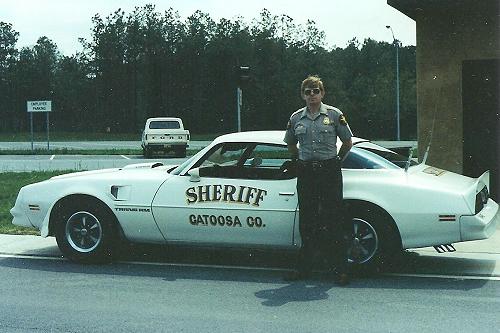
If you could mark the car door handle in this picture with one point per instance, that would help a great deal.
(287, 193)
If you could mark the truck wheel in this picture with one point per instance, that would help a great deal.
(147, 152)
(180, 152)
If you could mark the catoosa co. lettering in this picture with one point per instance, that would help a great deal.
(228, 221)
(225, 193)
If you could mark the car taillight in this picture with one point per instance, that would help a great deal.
(481, 199)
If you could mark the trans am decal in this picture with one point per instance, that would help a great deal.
(225, 193)
(434, 171)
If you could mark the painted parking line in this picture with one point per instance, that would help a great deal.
(252, 268)
(125, 157)
(453, 277)
(20, 256)
(52, 157)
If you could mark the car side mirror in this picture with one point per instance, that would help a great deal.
(194, 175)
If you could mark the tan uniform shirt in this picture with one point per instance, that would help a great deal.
(317, 137)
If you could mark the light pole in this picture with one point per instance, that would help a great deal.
(396, 44)
(243, 73)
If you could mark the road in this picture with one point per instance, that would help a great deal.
(157, 289)
(26, 163)
(137, 145)
(86, 145)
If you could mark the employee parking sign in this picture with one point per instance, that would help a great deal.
(39, 106)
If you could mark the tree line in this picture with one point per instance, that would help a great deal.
(145, 64)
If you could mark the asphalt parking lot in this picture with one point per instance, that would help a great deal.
(478, 259)
(49, 161)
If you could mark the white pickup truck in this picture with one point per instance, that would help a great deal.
(164, 134)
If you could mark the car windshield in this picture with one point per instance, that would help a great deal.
(367, 155)
(164, 124)
(178, 169)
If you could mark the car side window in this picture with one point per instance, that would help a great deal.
(360, 158)
(224, 155)
(248, 161)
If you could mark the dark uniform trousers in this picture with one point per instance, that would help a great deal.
(323, 226)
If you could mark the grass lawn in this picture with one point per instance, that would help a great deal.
(10, 183)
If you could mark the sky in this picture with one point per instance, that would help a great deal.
(64, 21)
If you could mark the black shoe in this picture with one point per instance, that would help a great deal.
(342, 279)
(297, 276)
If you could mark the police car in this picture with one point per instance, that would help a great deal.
(240, 191)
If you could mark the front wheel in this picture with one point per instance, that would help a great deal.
(373, 240)
(85, 232)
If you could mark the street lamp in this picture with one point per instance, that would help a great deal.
(396, 45)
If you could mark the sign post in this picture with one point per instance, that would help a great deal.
(39, 106)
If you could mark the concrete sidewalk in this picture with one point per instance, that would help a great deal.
(29, 245)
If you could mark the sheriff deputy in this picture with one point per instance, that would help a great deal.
(323, 227)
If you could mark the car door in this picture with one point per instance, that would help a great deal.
(243, 200)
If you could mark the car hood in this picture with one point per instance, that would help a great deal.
(149, 165)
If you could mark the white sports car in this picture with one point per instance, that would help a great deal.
(240, 191)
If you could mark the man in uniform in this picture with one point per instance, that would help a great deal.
(319, 185)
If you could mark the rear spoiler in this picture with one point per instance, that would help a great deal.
(485, 179)
(476, 187)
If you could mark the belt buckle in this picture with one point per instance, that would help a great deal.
(316, 165)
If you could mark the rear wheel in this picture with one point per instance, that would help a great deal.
(86, 232)
(147, 152)
(180, 152)
(374, 239)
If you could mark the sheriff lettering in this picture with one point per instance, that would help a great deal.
(225, 193)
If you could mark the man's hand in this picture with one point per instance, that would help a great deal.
(294, 151)
(344, 149)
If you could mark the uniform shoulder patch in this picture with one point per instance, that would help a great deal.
(342, 120)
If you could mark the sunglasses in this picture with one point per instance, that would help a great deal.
(309, 92)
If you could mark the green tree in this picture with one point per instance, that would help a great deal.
(8, 89)
(147, 63)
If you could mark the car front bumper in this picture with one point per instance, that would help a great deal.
(482, 225)
(19, 212)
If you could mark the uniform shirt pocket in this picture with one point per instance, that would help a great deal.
(328, 134)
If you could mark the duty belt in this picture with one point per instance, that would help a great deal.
(317, 165)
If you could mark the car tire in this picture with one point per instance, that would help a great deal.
(86, 232)
(180, 152)
(374, 239)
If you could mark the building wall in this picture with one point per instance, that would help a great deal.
(446, 37)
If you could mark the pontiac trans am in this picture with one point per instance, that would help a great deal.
(240, 191)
